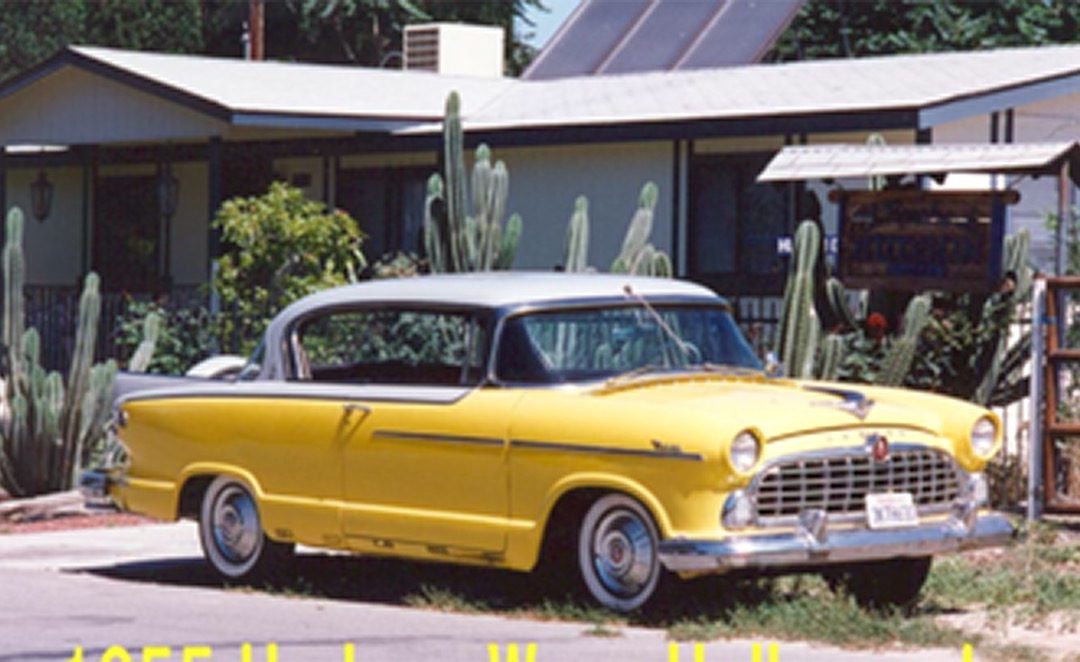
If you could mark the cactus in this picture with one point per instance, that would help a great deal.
(637, 256)
(576, 253)
(455, 239)
(47, 424)
(799, 325)
(837, 297)
(140, 360)
(1003, 371)
(832, 350)
(898, 358)
(876, 183)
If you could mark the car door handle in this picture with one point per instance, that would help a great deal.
(351, 407)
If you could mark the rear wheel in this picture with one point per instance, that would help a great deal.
(882, 584)
(618, 553)
(232, 536)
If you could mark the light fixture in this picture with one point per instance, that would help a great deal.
(41, 191)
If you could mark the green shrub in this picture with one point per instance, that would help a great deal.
(186, 336)
(278, 247)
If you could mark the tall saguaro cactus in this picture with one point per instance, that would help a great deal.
(45, 424)
(455, 239)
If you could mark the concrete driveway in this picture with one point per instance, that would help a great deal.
(113, 592)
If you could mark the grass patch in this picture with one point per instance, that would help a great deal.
(803, 608)
(1035, 577)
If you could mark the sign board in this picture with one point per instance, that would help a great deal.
(915, 240)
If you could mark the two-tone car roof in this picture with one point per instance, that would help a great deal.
(496, 290)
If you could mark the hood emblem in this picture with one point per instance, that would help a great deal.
(878, 447)
(852, 402)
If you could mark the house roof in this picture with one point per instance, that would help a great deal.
(910, 91)
(278, 93)
(622, 36)
(801, 162)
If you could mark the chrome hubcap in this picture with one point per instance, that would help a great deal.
(236, 525)
(623, 553)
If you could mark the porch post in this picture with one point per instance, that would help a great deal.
(89, 158)
(214, 191)
(3, 195)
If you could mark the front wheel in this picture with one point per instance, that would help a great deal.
(882, 584)
(232, 536)
(618, 553)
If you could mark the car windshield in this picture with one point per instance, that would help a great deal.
(585, 344)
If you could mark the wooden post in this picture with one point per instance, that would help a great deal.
(1064, 218)
(214, 193)
(257, 29)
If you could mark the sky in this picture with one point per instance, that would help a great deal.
(548, 22)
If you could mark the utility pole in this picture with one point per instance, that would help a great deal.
(255, 47)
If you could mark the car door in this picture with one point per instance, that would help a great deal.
(423, 450)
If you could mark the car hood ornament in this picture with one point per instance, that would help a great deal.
(852, 402)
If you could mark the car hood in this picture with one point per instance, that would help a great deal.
(778, 408)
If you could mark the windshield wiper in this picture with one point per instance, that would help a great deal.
(687, 349)
(628, 375)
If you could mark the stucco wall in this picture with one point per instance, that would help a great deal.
(52, 247)
(545, 181)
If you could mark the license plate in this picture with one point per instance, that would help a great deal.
(889, 511)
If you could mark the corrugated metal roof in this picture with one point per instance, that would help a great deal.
(801, 163)
(620, 36)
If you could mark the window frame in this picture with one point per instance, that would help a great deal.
(480, 317)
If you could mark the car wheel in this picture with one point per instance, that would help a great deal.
(882, 584)
(232, 536)
(618, 553)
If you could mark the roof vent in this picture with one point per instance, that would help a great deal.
(453, 48)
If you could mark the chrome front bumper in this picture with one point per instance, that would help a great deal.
(813, 544)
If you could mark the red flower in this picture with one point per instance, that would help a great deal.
(876, 325)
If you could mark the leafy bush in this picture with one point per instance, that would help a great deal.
(186, 336)
(278, 247)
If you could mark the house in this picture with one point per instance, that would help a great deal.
(129, 131)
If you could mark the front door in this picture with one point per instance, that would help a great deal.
(423, 458)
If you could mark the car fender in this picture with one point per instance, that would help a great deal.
(609, 482)
(215, 469)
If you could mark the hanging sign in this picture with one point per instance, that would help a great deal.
(915, 240)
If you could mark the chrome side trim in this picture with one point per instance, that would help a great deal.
(823, 547)
(398, 435)
(600, 450)
(434, 395)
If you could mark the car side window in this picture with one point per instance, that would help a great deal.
(391, 346)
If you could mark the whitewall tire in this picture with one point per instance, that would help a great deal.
(232, 536)
(618, 553)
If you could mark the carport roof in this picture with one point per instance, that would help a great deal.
(803, 163)
(909, 91)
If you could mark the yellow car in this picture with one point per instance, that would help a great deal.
(617, 424)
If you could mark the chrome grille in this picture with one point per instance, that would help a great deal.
(839, 484)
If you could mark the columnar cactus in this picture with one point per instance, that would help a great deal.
(576, 255)
(897, 362)
(144, 353)
(638, 256)
(46, 425)
(454, 239)
(799, 325)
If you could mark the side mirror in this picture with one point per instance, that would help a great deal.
(773, 367)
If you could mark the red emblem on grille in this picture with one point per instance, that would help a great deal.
(879, 447)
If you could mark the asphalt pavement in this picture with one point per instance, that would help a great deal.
(143, 593)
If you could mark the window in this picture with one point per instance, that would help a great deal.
(127, 229)
(392, 346)
(735, 223)
(595, 343)
(388, 203)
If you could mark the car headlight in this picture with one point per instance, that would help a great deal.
(983, 435)
(744, 452)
